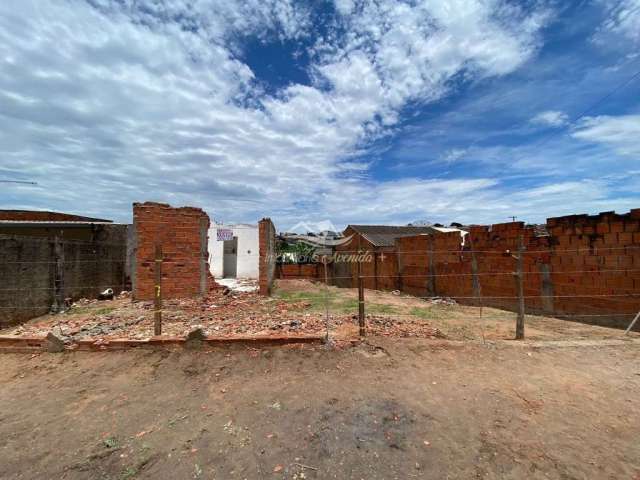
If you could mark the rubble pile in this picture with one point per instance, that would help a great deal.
(223, 313)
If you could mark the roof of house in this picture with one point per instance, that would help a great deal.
(385, 235)
(52, 224)
(450, 229)
(46, 216)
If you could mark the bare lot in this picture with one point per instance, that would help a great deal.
(298, 307)
(393, 409)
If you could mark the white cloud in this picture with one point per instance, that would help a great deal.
(454, 154)
(116, 102)
(623, 18)
(621, 133)
(552, 118)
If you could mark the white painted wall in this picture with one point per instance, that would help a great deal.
(248, 244)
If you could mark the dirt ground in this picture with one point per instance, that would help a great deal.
(390, 409)
(389, 314)
(299, 307)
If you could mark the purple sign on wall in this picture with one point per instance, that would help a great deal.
(224, 234)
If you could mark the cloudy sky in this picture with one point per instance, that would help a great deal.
(350, 111)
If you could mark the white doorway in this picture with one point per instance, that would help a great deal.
(230, 258)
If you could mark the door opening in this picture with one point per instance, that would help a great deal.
(230, 258)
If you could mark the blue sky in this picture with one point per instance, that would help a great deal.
(348, 111)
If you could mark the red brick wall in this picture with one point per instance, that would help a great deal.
(379, 271)
(587, 269)
(413, 264)
(600, 256)
(310, 271)
(385, 266)
(451, 267)
(267, 259)
(182, 234)
(345, 274)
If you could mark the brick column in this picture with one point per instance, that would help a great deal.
(182, 234)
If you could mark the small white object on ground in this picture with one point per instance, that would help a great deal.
(238, 284)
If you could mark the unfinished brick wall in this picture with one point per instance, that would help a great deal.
(600, 258)
(308, 271)
(429, 264)
(495, 267)
(267, 259)
(344, 274)
(379, 270)
(587, 269)
(182, 233)
(385, 267)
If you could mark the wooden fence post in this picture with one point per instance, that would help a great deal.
(58, 274)
(361, 307)
(157, 298)
(326, 298)
(431, 280)
(361, 324)
(519, 277)
(475, 280)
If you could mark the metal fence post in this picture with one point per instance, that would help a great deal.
(633, 322)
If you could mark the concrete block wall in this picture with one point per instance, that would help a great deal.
(40, 271)
(267, 256)
(27, 288)
(182, 233)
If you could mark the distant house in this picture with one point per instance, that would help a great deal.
(34, 223)
(380, 271)
(233, 251)
(45, 215)
(380, 268)
(381, 236)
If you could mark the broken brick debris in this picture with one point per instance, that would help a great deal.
(231, 315)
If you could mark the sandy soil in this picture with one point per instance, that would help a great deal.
(393, 409)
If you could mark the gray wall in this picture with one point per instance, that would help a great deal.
(41, 267)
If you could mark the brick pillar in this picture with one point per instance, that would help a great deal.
(182, 234)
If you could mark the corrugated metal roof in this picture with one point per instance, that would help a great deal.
(385, 235)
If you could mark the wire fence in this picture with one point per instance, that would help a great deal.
(612, 298)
